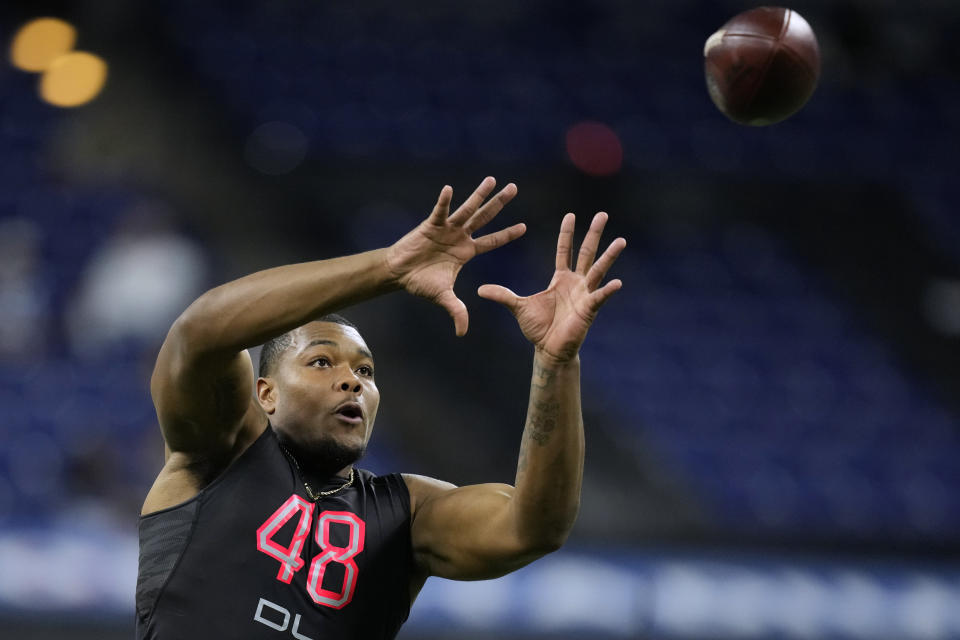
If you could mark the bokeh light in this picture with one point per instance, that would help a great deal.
(594, 148)
(39, 42)
(73, 79)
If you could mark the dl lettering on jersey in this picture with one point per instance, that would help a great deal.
(278, 618)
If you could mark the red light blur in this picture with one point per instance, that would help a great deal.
(594, 148)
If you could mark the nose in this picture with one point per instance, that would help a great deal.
(345, 386)
(348, 382)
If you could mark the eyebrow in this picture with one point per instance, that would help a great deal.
(318, 341)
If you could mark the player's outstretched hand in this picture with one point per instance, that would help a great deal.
(427, 260)
(557, 319)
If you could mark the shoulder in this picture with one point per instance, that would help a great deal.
(423, 488)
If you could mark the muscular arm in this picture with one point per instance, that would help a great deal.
(487, 530)
(202, 384)
(550, 468)
(484, 531)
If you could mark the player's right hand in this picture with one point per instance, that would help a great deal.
(427, 260)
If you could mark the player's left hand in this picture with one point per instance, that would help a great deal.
(557, 319)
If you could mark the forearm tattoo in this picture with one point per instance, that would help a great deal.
(542, 421)
(543, 411)
(542, 414)
(542, 376)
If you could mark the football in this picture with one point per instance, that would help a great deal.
(762, 65)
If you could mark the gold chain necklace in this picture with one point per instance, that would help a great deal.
(315, 495)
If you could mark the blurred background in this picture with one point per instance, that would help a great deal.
(771, 402)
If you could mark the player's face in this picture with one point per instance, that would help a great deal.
(325, 392)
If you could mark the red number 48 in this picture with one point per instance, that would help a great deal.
(289, 555)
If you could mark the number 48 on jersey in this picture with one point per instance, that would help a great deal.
(289, 555)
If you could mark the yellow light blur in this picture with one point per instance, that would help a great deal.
(73, 79)
(39, 42)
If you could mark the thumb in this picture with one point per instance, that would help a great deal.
(457, 310)
(499, 294)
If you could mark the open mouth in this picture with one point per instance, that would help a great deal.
(350, 412)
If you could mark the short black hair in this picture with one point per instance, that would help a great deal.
(272, 349)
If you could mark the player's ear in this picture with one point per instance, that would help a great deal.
(267, 395)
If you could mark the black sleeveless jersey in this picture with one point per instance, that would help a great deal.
(252, 557)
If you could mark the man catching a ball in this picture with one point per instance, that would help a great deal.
(259, 526)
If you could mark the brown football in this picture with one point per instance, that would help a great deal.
(762, 65)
